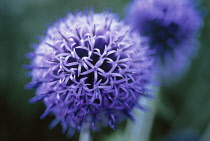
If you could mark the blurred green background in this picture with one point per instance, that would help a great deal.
(183, 109)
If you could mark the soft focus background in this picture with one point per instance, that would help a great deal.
(183, 109)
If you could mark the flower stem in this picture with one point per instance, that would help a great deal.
(206, 134)
(141, 127)
(85, 135)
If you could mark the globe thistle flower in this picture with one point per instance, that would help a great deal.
(89, 70)
(171, 27)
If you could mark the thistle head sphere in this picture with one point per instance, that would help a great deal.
(89, 69)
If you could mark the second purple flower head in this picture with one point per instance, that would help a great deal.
(171, 27)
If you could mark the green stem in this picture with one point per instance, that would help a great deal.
(206, 134)
(85, 135)
(141, 127)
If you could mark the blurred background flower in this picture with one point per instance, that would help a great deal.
(181, 107)
(172, 28)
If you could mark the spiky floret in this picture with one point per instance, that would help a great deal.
(89, 69)
(172, 27)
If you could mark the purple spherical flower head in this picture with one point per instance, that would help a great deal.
(89, 70)
(171, 27)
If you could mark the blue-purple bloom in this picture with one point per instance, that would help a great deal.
(171, 27)
(89, 70)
